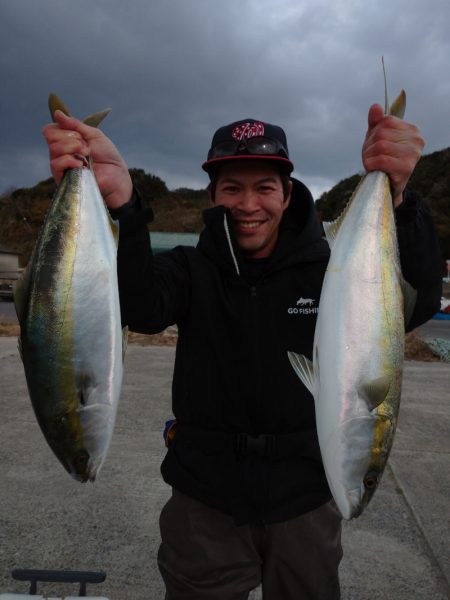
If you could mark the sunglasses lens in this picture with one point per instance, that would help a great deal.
(224, 149)
(262, 146)
(255, 145)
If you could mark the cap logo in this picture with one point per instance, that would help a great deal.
(247, 130)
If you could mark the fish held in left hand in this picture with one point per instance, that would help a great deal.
(71, 339)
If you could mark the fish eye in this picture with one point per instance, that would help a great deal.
(371, 480)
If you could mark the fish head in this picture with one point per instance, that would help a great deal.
(79, 437)
(64, 435)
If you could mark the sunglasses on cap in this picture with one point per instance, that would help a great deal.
(255, 145)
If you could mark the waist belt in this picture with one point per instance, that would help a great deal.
(275, 446)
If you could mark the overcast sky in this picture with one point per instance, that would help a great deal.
(173, 71)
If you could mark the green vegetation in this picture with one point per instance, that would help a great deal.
(431, 179)
(22, 211)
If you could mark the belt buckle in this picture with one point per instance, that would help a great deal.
(260, 445)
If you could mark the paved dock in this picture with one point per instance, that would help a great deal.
(399, 549)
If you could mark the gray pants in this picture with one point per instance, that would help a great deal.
(205, 556)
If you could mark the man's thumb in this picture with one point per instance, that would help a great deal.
(376, 113)
(74, 124)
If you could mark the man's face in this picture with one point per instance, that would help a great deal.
(253, 192)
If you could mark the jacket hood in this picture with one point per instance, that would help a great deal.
(299, 237)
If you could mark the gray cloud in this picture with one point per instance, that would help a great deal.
(175, 70)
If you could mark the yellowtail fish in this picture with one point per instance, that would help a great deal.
(358, 350)
(71, 339)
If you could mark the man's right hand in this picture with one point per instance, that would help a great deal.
(69, 137)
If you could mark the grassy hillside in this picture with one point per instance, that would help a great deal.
(431, 179)
(23, 210)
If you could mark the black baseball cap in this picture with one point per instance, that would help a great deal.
(248, 139)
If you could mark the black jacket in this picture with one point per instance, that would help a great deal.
(232, 379)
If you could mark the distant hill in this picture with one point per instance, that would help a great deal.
(431, 179)
(22, 211)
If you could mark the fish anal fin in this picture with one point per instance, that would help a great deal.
(375, 391)
(305, 371)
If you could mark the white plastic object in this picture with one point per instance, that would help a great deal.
(20, 597)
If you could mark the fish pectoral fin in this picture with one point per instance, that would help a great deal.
(409, 301)
(305, 371)
(375, 391)
(84, 386)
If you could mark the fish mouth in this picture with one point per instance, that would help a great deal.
(355, 505)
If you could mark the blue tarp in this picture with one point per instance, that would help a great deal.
(442, 316)
(163, 240)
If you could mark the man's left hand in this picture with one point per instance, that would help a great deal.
(393, 146)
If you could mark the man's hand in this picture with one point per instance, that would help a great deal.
(393, 146)
(69, 137)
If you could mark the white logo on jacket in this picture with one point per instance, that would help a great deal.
(304, 306)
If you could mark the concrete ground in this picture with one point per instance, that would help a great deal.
(398, 549)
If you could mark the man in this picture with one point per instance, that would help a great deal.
(250, 500)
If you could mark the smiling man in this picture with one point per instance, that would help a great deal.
(250, 502)
(253, 193)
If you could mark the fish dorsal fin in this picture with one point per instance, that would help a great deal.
(375, 391)
(94, 120)
(409, 300)
(305, 370)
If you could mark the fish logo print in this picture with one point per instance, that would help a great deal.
(305, 301)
